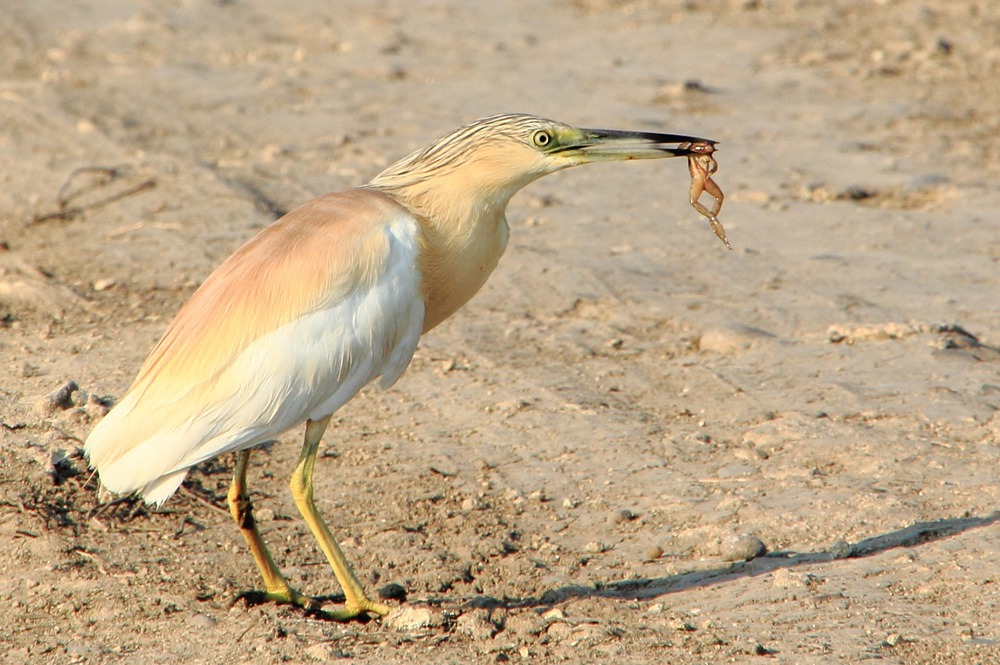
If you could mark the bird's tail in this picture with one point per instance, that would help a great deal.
(127, 460)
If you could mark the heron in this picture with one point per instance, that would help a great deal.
(320, 303)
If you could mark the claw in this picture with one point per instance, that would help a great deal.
(311, 606)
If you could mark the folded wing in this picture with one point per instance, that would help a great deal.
(288, 328)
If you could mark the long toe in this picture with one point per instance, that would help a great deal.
(283, 597)
(313, 606)
(365, 605)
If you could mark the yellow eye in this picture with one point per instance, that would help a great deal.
(541, 138)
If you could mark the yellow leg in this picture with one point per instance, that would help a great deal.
(302, 491)
(275, 584)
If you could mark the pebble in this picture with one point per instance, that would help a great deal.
(731, 339)
(470, 503)
(654, 553)
(97, 407)
(59, 399)
(410, 618)
(538, 496)
(476, 625)
(596, 547)
(790, 579)
(682, 625)
(199, 620)
(81, 649)
(857, 193)
(393, 591)
(559, 631)
(622, 515)
(324, 651)
(741, 547)
(527, 624)
(841, 549)
(555, 614)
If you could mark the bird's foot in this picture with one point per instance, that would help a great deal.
(287, 596)
(313, 606)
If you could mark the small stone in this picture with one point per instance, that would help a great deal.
(410, 618)
(654, 553)
(393, 591)
(97, 407)
(476, 625)
(731, 339)
(324, 651)
(790, 579)
(104, 284)
(596, 547)
(857, 193)
(570, 503)
(78, 398)
(59, 456)
(841, 549)
(81, 650)
(622, 515)
(893, 639)
(555, 614)
(526, 624)
(59, 399)
(682, 626)
(741, 547)
(559, 630)
(199, 620)
(514, 496)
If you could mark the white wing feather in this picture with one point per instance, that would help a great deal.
(306, 369)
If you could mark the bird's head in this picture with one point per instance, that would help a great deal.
(489, 160)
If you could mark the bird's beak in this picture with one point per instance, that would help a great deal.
(610, 145)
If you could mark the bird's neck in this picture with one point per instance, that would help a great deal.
(464, 234)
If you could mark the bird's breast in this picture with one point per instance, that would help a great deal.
(456, 260)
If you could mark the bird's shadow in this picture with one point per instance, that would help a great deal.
(645, 589)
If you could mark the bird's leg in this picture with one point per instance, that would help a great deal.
(276, 586)
(357, 602)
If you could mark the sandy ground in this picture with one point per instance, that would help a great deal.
(571, 462)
